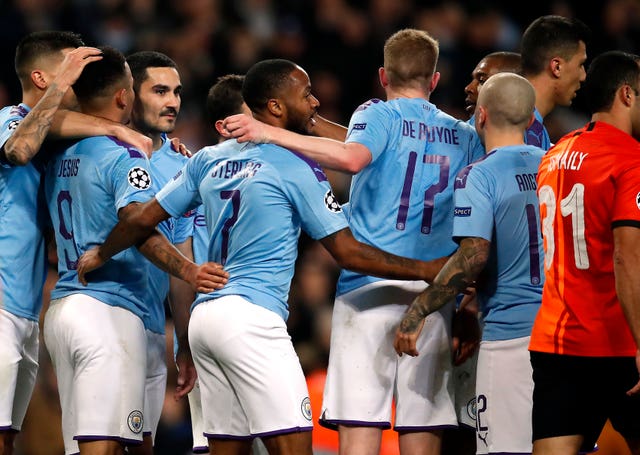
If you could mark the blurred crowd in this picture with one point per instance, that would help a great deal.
(339, 42)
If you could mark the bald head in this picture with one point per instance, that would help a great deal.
(508, 99)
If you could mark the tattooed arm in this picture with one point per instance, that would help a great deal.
(26, 140)
(458, 273)
(360, 257)
(137, 226)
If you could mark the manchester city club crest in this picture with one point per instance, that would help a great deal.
(135, 421)
(305, 407)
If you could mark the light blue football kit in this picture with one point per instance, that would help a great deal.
(22, 275)
(536, 135)
(165, 164)
(22, 251)
(255, 241)
(85, 187)
(496, 200)
(401, 202)
(256, 200)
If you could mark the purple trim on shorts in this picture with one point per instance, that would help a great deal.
(509, 453)
(333, 424)
(10, 429)
(284, 431)
(466, 426)
(200, 449)
(259, 435)
(125, 441)
(227, 437)
(418, 429)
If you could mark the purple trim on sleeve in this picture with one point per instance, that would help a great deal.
(200, 449)
(19, 110)
(9, 428)
(133, 152)
(315, 167)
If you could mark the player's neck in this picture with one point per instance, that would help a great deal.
(405, 92)
(498, 139)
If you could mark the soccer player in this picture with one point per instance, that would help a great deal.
(223, 99)
(496, 222)
(553, 53)
(95, 334)
(463, 439)
(490, 64)
(47, 63)
(157, 87)
(405, 154)
(256, 198)
(585, 339)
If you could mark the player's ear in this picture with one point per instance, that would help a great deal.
(39, 79)
(219, 128)
(382, 75)
(434, 81)
(275, 107)
(121, 98)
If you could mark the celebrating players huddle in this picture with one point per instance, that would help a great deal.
(550, 263)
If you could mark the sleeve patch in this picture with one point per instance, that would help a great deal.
(331, 203)
(139, 178)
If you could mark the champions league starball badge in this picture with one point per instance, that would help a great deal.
(139, 178)
(331, 202)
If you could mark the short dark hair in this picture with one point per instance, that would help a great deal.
(100, 76)
(140, 61)
(264, 81)
(548, 36)
(40, 44)
(607, 73)
(225, 97)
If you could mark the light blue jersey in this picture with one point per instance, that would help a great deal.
(200, 237)
(165, 164)
(22, 252)
(85, 187)
(495, 199)
(256, 200)
(402, 201)
(537, 134)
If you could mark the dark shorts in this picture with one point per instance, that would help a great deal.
(576, 395)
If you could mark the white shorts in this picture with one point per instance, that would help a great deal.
(200, 442)
(464, 380)
(155, 383)
(18, 368)
(504, 390)
(251, 380)
(99, 355)
(365, 374)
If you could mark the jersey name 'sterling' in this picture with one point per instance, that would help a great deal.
(235, 169)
